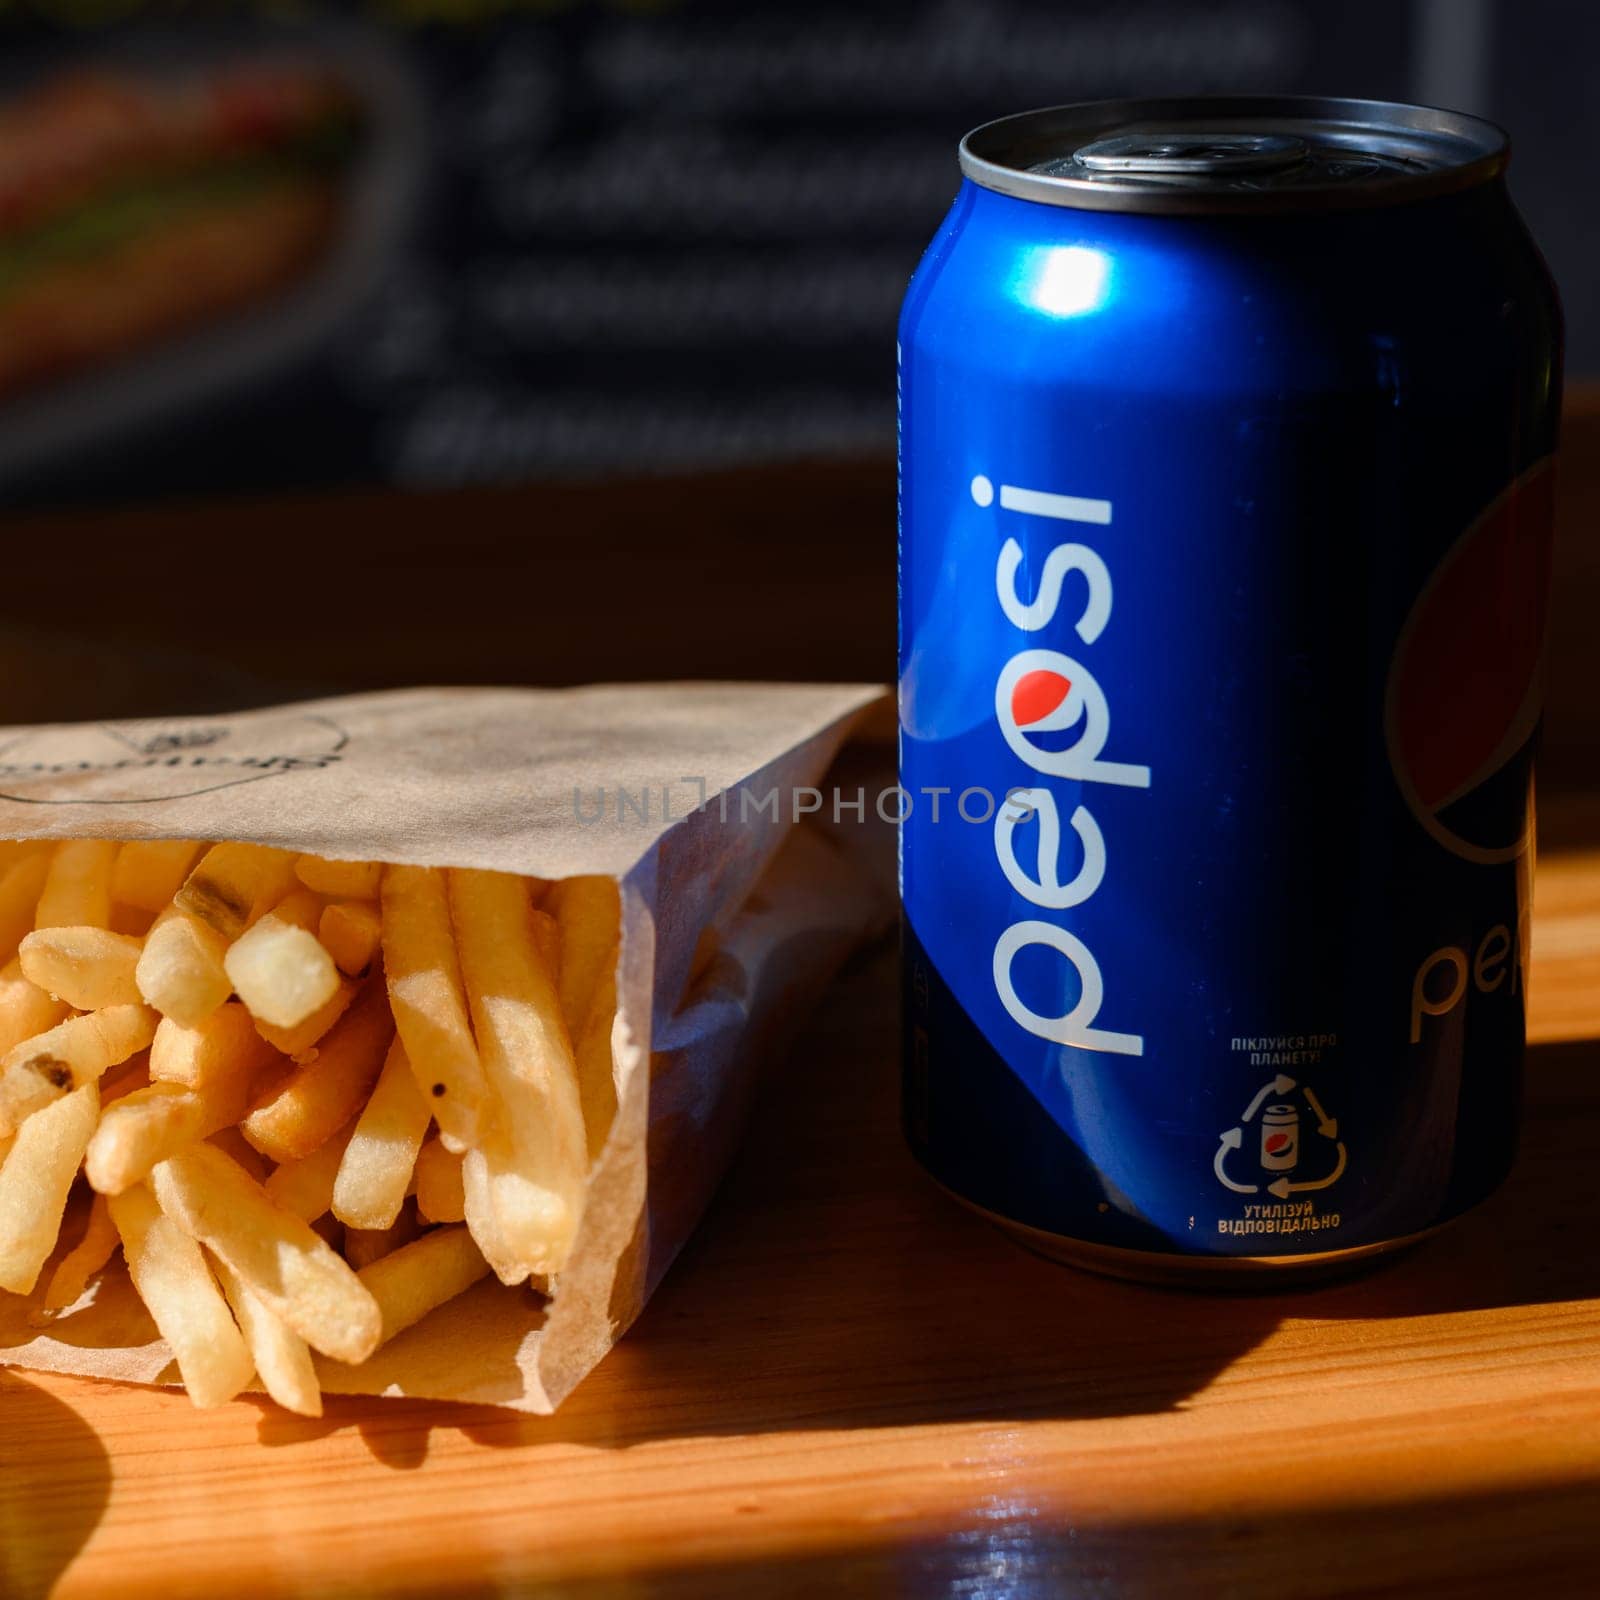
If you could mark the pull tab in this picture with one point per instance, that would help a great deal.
(1192, 155)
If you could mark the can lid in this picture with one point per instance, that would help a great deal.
(1233, 154)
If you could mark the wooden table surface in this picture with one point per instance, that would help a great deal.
(850, 1384)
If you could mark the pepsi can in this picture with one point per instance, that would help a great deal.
(1226, 435)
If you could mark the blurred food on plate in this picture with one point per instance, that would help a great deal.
(134, 208)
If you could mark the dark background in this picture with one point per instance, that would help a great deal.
(612, 394)
(673, 235)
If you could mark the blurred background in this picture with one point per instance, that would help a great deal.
(552, 340)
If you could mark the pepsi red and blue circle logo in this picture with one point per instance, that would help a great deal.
(1463, 697)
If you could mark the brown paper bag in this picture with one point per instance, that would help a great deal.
(702, 799)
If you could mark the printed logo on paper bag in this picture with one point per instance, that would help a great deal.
(127, 763)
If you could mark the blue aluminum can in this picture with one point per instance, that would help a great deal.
(1226, 435)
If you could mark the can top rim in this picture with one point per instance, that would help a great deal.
(1233, 153)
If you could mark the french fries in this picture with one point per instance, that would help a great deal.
(35, 1182)
(152, 1123)
(69, 1055)
(282, 1358)
(222, 1045)
(180, 970)
(440, 1197)
(172, 1278)
(294, 1274)
(25, 1009)
(234, 884)
(85, 1260)
(589, 913)
(254, 1060)
(535, 1160)
(340, 880)
(148, 872)
(316, 1098)
(14, 850)
(77, 888)
(352, 931)
(301, 1042)
(429, 1000)
(279, 968)
(304, 1188)
(415, 1279)
(88, 967)
(381, 1157)
(20, 888)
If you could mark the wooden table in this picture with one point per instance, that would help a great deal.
(848, 1383)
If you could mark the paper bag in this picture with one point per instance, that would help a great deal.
(702, 799)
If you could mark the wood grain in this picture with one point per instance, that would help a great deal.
(848, 1384)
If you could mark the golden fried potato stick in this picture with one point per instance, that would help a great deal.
(67, 1056)
(279, 968)
(423, 1275)
(35, 1181)
(222, 1045)
(597, 1081)
(300, 908)
(77, 889)
(180, 971)
(482, 1171)
(294, 1274)
(429, 1000)
(85, 1261)
(547, 941)
(148, 872)
(153, 1123)
(535, 1151)
(87, 967)
(176, 1285)
(234, 884)
(14, 850)
(340, 880)
(20, 888)
(233, 1144)
(589, 911)
(282, 1358)
(439, 1193)
(315, 1099)
(351, 931)
(25, 1009)
(303, 1041)
(305, 1187)
(381, 1157)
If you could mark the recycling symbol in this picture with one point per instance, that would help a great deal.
(1278, 1149)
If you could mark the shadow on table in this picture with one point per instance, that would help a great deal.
(55, 1483)
(1532, 1243)
(833, 1286)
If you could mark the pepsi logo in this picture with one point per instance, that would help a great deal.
(1037, 694)
(1044, 691)
(1463, 696)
